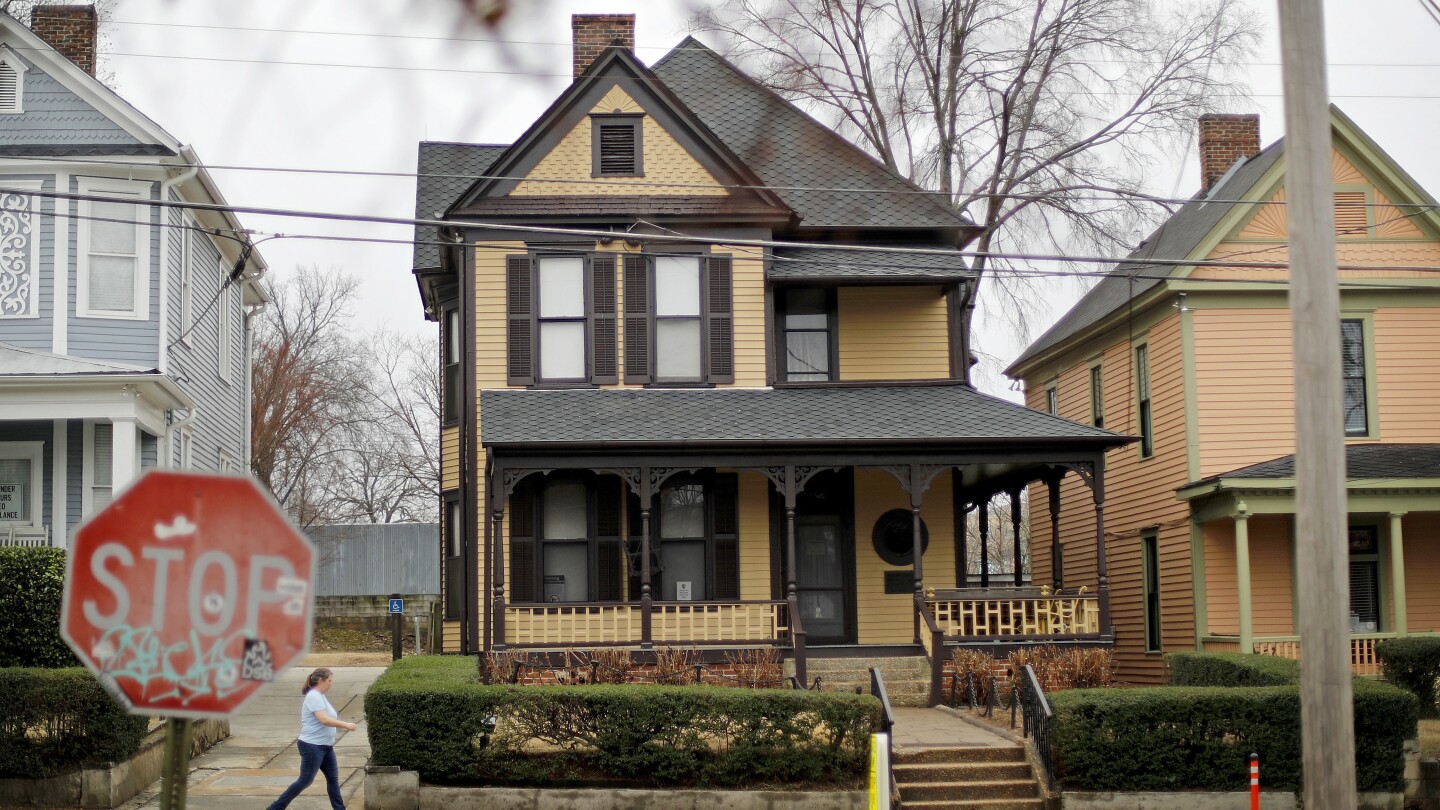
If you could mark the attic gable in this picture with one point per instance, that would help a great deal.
(1363, 208)
(556, 157)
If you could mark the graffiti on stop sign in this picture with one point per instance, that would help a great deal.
(188, 604)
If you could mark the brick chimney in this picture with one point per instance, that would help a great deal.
(593, 33)
(70, 30)
(1225, 139)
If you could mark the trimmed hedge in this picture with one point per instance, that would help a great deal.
(32, 584)
(1201, 737)
(1231, 669)
(430, 713)
(53, 721)
(1414, 664)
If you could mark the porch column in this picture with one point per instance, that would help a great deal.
(1242, 578)
(917, 545)
(1057, 561)
(124, 453)
(647, 601)
(1102, 563)
(497, 517)
(1397, 574)
(984, 510)
(792, 595)
(1015, 532)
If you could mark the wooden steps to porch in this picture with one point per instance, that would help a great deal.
(907, 678)
(990, 778)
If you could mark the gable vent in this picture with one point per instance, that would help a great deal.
(9, 89)
(1351, 213)
(617, 149)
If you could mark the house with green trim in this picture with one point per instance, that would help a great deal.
(1187, 345)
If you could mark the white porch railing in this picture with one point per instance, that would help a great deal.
(24, 535)
(689, 623)
(1363, 660)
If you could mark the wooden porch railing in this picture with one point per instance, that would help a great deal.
(619, 624)
(1017, 617)
(1362, 648)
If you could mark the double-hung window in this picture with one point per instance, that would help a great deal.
(20, 483)
(565, 539)
(694, 537)
(807, 324)
(1097, 396)
(1150, 565)
(454, 565)
(560, 289)
(227, 304)
(114, 250)
(1364, 543)
(451, 393)
(561, 318)
(678, 319)
(1142, 400)
(1052, 399)
(1352, 365)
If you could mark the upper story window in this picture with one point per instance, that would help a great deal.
(1356, 382)
(225, 342)
(1142, 400)
(617, 146)
(114, 251)
(560, 290)
(679, 319)
(450, 395)
(561, 319)
(12, 82)
(1097, 396)
(1052, 400)
(807, 342)
(19, 252)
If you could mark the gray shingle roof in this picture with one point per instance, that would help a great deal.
(1175, 239)
(805, 263)
(940, 413)
(786, 147)
(446, 170)
(615, 204)
(1362, 461)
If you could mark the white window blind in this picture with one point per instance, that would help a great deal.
(100, 490)
(113, 259)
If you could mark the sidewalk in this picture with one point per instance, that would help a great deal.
(260, 759)
(932, 728)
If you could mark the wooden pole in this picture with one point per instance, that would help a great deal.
(1327, 710)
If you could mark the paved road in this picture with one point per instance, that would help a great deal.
(252, 767)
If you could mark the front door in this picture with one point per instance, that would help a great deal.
(824, 557)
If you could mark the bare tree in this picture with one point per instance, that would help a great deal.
(310, 390)
(1036, 118)
(999, 551)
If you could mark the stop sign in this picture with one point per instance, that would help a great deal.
(188, 593)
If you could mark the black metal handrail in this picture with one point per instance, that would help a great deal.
(887, 719)
(1038, 719)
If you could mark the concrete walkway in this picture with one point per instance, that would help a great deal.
(932, 728)
(260, 759)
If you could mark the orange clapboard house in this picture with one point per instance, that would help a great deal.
(694, 396)
(1195, 359)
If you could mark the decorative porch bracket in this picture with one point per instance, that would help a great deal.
(645, 481)
(915, 479)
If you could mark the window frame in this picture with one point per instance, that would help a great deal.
(593, 541)
(187, 279)
(1097, 393)
(636, 123)
(225, 304)
(702, 274)
(117, 191)
(1154, 625)
(708, 481)
(831, 330)
(1144, 412)
(452, 571)
(1376, 561)
(34, 452)
(1052, 397)
(584, 318)
(1370, 387)
(450, 334)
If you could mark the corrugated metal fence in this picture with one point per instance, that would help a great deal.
(378, 558)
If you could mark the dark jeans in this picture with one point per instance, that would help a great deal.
(312, 758)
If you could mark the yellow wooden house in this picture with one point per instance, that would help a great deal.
(706, 385)
(1187, 345)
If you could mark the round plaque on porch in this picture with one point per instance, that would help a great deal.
(894, 537)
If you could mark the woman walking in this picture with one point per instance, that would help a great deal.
(318, 722)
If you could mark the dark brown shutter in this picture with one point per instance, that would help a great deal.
(520, 316)
(522, 543)
(721, 317)
(609, 569)
(637, 319)
(603, 360)
(725, 501)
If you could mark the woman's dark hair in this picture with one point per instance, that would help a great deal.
(315, 678)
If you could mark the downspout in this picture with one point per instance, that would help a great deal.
(165, 186)
(177, 425)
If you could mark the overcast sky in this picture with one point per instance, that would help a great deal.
(353, 85)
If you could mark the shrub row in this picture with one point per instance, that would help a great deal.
(430, 714)
(1414, 664)
(1199, 736)
(56, 720)
(32, 582)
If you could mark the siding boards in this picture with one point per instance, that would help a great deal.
(55, 116)
(1407, 354)
(888, 618)
(1422, 571)
(754, 536)
(378, 559)
(890, 333)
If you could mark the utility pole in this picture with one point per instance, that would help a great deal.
(1326, 705)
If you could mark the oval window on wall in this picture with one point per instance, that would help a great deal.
(894, 537)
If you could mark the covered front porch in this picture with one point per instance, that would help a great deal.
(1244, 530)
(798, 543)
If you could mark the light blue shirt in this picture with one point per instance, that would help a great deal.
(311, 730)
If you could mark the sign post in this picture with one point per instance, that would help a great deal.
(185, 596)
(397, 626)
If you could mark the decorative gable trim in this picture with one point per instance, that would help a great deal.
(12, 82)
(19, 250)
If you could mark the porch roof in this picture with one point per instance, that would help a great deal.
(947, 414)
(18, 361)
(812, 264)
(1389, 462)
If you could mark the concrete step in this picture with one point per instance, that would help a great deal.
(976, 804)
(951, 756)
(999, 789)
(961, 772)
